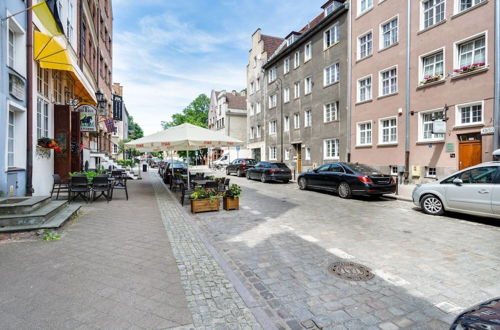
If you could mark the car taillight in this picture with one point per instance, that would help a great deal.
(393, 181)
(243, 163)
(365, 179)
(273, 171)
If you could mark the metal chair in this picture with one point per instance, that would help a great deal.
(79, 186)
(226, 183)
(211, 185)
(184, 192)
(120, 182)
(101, 185)
(60, 185)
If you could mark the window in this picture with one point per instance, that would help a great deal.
(389, 82)
(365, 43)
(388, 131)
(426, 126)
(394, 170)
(331, 149)
(10, 139)
(252, 109)
(115, 148)
(286, 65)
(257, 85)
(432, 12)
(330, 36)
(480, 175)
(469, 114)
(252, 132)
(272, 101)
(296, 60)
(296, 90)
(43, 81)
(308, 153)
(307, 51)
(365, 89)
(42, 118)
(308, 85)
(273, 154)
(307, 118)
(332, 74)
(252, 87)
(58, 86)
(287, 154)
(389, 33)
(271, 76)
(257, 107)
(272, 127)
(466, 4)
(286, 124)
(258, 131)
(296, 121)
(286, 95)
(330, 112)
(430, 172)
(432, 66)
(472, 52)
(12, 48)
(364, 5)
(364, 134)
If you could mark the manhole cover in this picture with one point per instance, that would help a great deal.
(351, 271)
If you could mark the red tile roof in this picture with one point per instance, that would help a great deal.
(313, 23)
(271, 43)
(236, 101)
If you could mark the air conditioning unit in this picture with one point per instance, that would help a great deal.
(415, 171)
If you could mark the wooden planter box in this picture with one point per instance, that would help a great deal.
(231, 203)
(204, 205)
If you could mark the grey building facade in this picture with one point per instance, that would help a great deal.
(306, 85)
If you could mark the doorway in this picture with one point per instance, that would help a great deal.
(469, 150)
(256, 154)
(298, 150)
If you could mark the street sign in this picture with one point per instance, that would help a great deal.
(487, 130)
(238, 148)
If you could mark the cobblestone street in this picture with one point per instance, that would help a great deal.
(427, 268)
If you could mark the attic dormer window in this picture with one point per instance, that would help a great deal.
(332, 7)
(291, 39)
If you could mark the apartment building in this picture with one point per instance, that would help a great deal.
(120, 121)
(306, 117)
(263, 46)
(422, 107)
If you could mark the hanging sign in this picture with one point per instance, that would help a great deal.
(87, 119)
(439, 126)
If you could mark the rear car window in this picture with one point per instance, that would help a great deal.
(250, 161)
(362, 168)
(279, 165)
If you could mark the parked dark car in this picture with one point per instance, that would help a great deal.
(348, 179)
(240, 166)
(267, 171)
(483, 316)
(177, 167)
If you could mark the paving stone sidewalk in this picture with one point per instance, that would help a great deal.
(112, 269)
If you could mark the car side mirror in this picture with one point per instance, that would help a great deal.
(315, 170)
(458, 182)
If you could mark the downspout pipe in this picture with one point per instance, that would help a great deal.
(349, 102)
(496, 106)
(407, 90)
(29, 100)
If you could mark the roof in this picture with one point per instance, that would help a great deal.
(313, 23)
(271, 43)
(236, 101)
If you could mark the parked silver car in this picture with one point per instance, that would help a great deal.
(475, 191)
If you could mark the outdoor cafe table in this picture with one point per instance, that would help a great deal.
(201, 182)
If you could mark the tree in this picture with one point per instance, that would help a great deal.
(134, 130)
(195, 113)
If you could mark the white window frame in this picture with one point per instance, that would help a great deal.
(434, 22)
(252, 87)
(458, 3)
(286, 95)
(361, 10)
(258, 107)
(257, 85)
(19, 45)
(258, 131)
(296, 120)
(381, 80)
(381, 33)
(11, 154)
(457, 44)
(331, 36)
(296, 60)
(428, 173)
(421, 65)
(336, 154)
(327, 74)
(359, 131)
(286, 124)
(421, 128)
(252, 132)
(308, 51)
(381, 131)
(273, 100)
(273, 153)
(394, 170)
(42, 118)
(369, 51)
(271, 76)
(287, 154)
(334, 112)
(252, 109)
(458, 114)
(273, 127)
(308, 85)
(296, 90)
(368, 88)
(286, 65)
(307, 153)
(307, 118)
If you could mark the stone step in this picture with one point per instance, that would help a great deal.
(36, 217)
(65, 214)
(22, 205)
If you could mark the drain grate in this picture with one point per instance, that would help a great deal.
(351, 271)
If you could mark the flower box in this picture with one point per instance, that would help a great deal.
(430, 79)
(469, 68)
(204, 205)
(231, 203)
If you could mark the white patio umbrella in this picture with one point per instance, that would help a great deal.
(184, 137)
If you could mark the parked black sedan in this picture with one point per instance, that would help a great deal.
(177, 167)
(267, 171)
(240, 166)
(348, 179)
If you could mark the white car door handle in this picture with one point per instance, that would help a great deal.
(483, 191)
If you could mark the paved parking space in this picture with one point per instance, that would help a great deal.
(427, 268)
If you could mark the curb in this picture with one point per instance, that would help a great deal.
(399, 197)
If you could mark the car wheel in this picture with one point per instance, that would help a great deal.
(263, 178)
(303, 184)
(345, 190)
(238, 173)
(248, 176)
(227, 171)
(286, 181)
(432, 205)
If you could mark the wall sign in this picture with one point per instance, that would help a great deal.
(487, 130)
(16, 87)
(450, 147)
(87, 119)
(452, 155)
(439, 126)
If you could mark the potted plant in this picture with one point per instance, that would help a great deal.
(48, 143)
(204, 200)
(469, 68)
(429, 79)
(231, 200)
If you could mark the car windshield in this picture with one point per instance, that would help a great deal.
(365, 169)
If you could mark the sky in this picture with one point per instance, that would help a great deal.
(167, 52)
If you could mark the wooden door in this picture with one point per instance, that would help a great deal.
(470, 154)
(299, 159)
